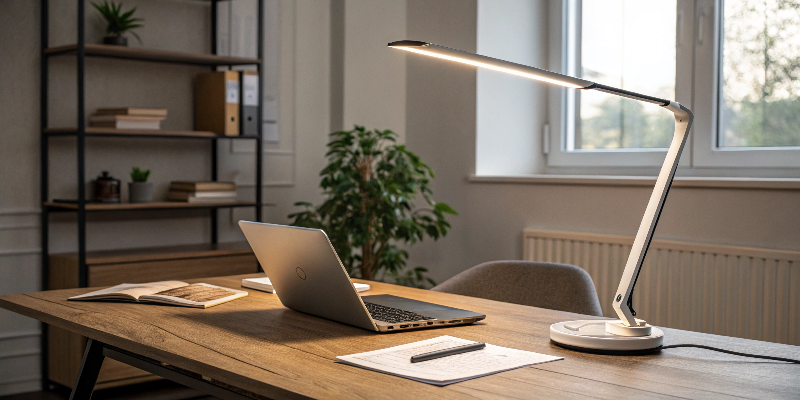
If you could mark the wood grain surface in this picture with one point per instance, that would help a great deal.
(93, 130)
(138, 53)
(160, 253)
(155, 205)
(256, 344)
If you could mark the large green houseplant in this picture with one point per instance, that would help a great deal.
(371, 187)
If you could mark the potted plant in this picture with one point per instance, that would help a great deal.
(118, 23)
(139, 189)
(371, 186)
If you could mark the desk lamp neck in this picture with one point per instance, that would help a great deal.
(623, 298)
(622, 301)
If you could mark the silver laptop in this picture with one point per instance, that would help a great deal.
(308, 277)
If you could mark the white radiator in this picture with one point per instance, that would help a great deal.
(726, 290)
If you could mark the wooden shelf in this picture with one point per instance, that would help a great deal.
(146, 133)
(133, 53)
(56, 206)
(162, 253)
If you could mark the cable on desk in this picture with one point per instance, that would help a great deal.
(699, 346)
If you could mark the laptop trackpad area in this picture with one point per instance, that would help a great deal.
(420, 307)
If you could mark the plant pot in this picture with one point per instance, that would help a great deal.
(116, 40)
(140, 192)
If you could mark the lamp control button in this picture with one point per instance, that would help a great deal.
(619, 297)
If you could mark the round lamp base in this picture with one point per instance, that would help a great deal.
(591, 336)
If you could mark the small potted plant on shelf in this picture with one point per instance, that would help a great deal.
(118, 23)
(139, 190)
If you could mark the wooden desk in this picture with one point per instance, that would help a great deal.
(256, 345)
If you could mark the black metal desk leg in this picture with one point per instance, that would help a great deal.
(90, 367)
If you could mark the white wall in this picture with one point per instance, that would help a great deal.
(440, 115)
(374, 76)
(510, 115)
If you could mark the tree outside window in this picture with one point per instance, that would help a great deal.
(760, 99)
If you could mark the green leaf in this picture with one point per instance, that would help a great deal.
(137, 37)
(445, 208)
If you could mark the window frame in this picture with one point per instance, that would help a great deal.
(698, 86)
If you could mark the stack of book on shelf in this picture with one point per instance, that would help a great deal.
(129, 118)
(202, 192)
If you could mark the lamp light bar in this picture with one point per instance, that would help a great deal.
(477, 60)
(446, 53)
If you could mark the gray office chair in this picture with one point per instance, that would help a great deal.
(539, 284)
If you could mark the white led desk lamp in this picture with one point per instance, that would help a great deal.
(628, 334)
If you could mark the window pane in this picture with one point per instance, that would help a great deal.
(628, 44)
(760, 73)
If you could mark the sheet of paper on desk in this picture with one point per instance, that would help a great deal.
(446, 370)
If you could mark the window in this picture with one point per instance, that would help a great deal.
(629, 45)
(759, 99)
(735, 63)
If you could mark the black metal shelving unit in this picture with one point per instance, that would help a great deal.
(81, 50)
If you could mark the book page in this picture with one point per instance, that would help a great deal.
(446, 370)
(196, 295)
(129, 290)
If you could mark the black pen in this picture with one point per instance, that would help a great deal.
(447, 352)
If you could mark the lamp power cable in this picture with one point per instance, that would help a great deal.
(736, 353)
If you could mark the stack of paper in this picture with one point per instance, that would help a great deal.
(129, 118)
(265, 285)
(446, 370)
(202, 192)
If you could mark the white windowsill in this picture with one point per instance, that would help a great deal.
(609, 180)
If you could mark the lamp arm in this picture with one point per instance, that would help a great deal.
(683, 122)
(630, 95)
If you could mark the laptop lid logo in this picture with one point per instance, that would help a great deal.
(301, 273)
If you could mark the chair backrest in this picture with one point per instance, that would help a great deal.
(539, 284)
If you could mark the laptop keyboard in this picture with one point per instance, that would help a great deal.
(393, 315)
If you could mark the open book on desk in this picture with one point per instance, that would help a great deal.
(446, 370)
(199, 295)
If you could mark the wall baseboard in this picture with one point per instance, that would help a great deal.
(18, 227)
(746, 292)
(19, 335)
(20, 211)
(21, 353)
(20, 252)
(21, 385)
